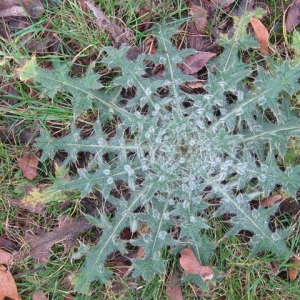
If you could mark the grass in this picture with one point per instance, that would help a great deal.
(80, 41)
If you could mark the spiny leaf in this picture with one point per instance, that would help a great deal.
(176, 153)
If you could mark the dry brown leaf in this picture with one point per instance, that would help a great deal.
(34, 200)
(190, 264)
(194, 84)
(5, 257)
(82, 5)
(173, 288)
(9, 3)
(224, 4)
(118, 35)
(39, 295)
(28, 165)
(69, 280)
(262, 35)
(293, 16)
(66, 233)
(14, 11)
(141, 253)
(194, 63)
(199, 16)
(20, 8)
(293, 271)
(271, 200)
(7, 244)
(8, 286)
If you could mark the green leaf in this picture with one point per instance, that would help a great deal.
(161, 156)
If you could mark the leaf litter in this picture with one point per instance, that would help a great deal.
(8, 288)
(28, 164)
(191, 264)
(65, 233)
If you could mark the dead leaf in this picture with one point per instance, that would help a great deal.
(20, 8)
(271, 200)
(224, 4)
(34, 200)
(69, 280)
(118, 35)
(199, 16)
(190, 264)
(121, 265)
(198, 41)
(293, 271)
(43, 45)
(144, 16)
(141, 253)
(262, 35)
(194, 84)
(148, 47)
(65, 233)
(194, 63)
(7, 244)
(173, 288)
(5, 257)
(8, 286)
(9, 3)
(14, 134)
(290, 206)
(39, 295)
(293, 16)
(69, 297)
(82, 5)
(28, 165)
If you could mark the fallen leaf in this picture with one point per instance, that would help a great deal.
(173, 288)
(140, 253)
(66, 233)
(20, 8)
(28, 165)
(69, 280)
(194, 63)
(8, 288)
(7, 244)
(293, 271)
(198, 41)
(271, 200)
(190, 264)
(69, 297)
(121, 265)
(194, 84)
(144, 16)
(224, 4)
(9, 3)
(293, 16)
(82, 5)
(290, 206)
(39, 295)
(5, 257)
(199, 16)
(126, 234)
(118, 35)
(43, 45)
(14, 11)
(34, 200)
(7, 133)
(262, 35)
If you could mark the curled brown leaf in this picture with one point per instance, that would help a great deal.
(190, 264)
(28, 165)
(262, 35)
(8, 288)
